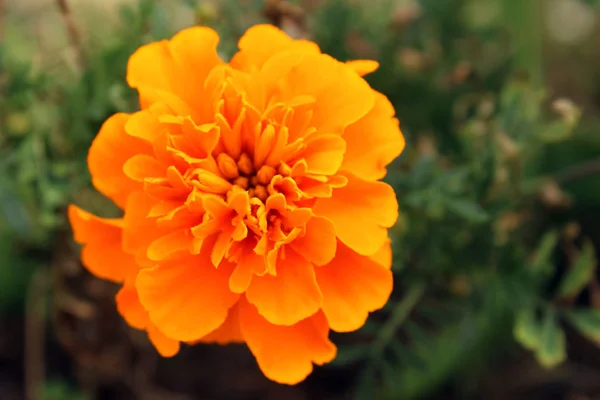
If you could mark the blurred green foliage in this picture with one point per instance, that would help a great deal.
(484, 251)
(59, 390)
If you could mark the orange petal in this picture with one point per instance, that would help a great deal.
(260, 42)
(178, 66)
(352, 286)
(222, 245)
(139, 230)
(165, 346)
(361, 212)
(145, 124)
(165, 246)
(383, 257)
(111, 148)
(228, 332)
(290, 296)
(373, 141)
(142, 166)
(363, 67)
(342, 97)
(198, 141)
(318, 243)
(102, 253)
(286, 354)
(248, 265)
(130, 308)
(324, 154)
(187, 298)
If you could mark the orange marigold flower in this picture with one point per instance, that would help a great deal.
(252, 207)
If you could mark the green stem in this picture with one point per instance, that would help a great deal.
(523, 20)
(399, 315)
(579, 171)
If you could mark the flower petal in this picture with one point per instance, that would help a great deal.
(228, 332)
(260, 42)
(139, 230)
(361, 213)
(248, 265)
(363, 67)
(173, 242)
(342, 97)
(352, 286)
(145, 124)
(165, 346)
(285, 354)
(142, 166)
(109, 151)
(373, 141)
(130, 308)
(187, 298)
(383, 257)
(290, 296)
(178, 66)
(318, 243)
(324, 154)
(102, 253)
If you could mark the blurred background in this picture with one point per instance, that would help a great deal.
(495, 252)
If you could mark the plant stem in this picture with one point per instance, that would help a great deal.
(579, 171)
(35, 334)
(74, 34)
(523, 20)
(399, 315)
(1, 20)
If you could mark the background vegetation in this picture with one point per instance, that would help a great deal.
(495, 254)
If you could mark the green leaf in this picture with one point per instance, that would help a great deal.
(452, 182)
(528, 330)
(587, 322)
(580, 274)
(467, 209)
(365, 387)
(422, 172)
(59, 390)
(12, 210)
(389, 377)
(552, 350)
(558, 131)
(593, 3)
(15, 272)
(545, 338)
(541, 260)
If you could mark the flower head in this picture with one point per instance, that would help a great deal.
(252, 207)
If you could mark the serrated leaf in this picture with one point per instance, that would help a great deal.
(587, 322)
(552, 350)
(580, 274)
(541, 259)
(467, 209)
(528, 330)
